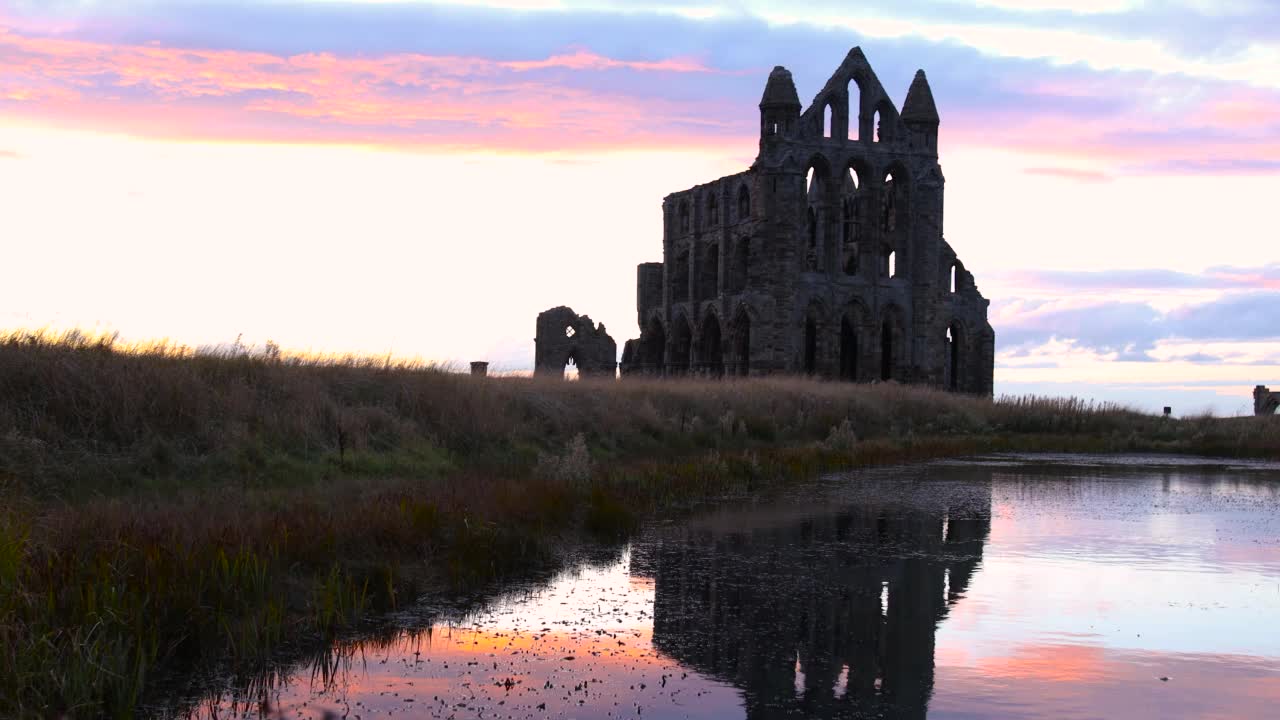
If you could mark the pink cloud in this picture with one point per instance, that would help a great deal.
(1118, 144)
(582, 100)
(1086, 176)
(587, 60)
(1262, 278)
(1244, 108)
(407, 99)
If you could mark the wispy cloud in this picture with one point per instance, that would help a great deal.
(1086, 176)
(1213, 278)
(1130, 330)
(410, 74)
(404, 99)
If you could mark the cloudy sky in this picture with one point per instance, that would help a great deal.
(424, 178)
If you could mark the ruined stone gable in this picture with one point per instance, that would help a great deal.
(566, 338)
(825, 257)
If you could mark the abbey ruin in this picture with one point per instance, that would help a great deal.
(825, 257)
(1265, 402)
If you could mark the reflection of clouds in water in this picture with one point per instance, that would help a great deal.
(579, 646)
(1162, 560)
(1069, 681)
(1044, 592)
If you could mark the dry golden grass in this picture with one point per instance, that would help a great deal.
(169, 507)
(82, 415)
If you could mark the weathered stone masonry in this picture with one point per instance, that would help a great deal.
(825, 257)
(566, 337)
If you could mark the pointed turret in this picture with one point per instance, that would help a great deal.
(780, 91)
(920, 115)
(779, 106)
(919, 106)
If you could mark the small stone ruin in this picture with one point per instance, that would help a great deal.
(565, 337)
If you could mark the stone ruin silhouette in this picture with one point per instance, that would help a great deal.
(565, 337)
(1265, 402)
(825, 257)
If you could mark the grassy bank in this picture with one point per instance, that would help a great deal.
(164, 509)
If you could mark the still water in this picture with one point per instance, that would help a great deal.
(1015, 587)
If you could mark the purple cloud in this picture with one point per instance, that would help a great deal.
(1215, 278)
(1197, 358)
(1126, 328)
(1237, 316)
(1130, 330)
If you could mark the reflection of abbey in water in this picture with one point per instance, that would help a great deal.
(821, 617)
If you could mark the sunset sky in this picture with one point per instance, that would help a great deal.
(423, 179)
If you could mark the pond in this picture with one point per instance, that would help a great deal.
(1008, 586)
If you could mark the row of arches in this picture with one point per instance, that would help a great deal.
(850, 349)
(714, 352)
(848, 224)
(685, 211)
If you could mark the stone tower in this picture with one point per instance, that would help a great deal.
(825, 257)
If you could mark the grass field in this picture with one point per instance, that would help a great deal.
(164, 508)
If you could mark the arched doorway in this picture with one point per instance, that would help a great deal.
(886, 351)
(810, 346)
(681, 345)
(848, 351)
(710, 357)
(742, 342)
(571, 366)
(893, 348)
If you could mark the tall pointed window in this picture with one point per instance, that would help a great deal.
(849, 224)
(854, 94)
(889, 205)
